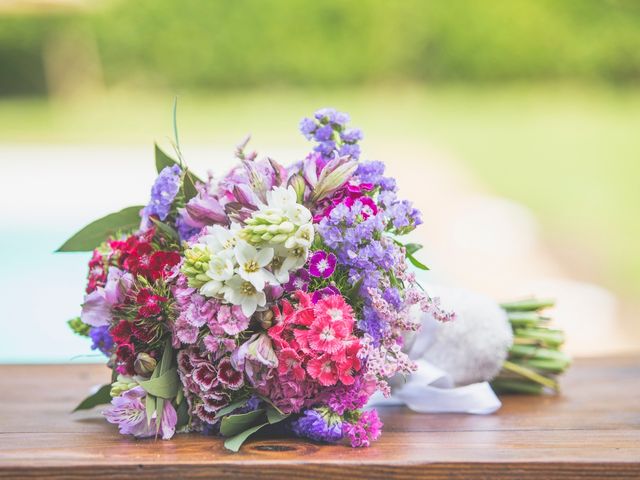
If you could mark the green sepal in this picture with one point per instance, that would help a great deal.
(91, 236)
(234, 443)
(101, 397)
(234, 424)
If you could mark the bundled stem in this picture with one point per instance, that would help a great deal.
(535, 360)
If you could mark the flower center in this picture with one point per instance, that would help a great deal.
(327, 334)
(335, 313)
(298, 252)
(229, 243)
(323, 265)
(277, 262)
(247, 288)
(305, 235)
(251, 266)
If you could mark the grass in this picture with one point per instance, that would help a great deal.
(571, 154)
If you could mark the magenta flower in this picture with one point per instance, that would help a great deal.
(129, 413)
(324, 292)
(298, 280)
(322, 264)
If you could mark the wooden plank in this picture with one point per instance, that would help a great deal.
(592, 430)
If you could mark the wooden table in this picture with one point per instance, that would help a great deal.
(591, 430)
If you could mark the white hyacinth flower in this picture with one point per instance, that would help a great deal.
(252, 263)
(220, 239)
(278, 267)
(221, 267)
(296, 258)
(282, 198)
(303, 237)
(213, 288)
(239, 291)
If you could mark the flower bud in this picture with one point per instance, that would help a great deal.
(121, 385)
(144, 364)
(299, 185)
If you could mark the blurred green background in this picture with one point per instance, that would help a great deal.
(538, 98)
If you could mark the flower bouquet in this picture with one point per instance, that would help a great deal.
(270, 297)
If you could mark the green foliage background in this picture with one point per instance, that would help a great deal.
(239, 43)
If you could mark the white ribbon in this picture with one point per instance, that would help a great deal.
(431, 390)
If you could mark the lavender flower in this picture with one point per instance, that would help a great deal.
(316, 426)
(322, 264)
(163, 193)
(129, 413)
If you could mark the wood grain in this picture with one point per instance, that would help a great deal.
(592, 430)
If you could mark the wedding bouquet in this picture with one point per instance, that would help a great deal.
(268, 297)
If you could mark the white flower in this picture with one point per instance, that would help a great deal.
(296, 258)
(282, 198)
(239, 291)
(220, 239)
(213, 288)
(303, 237)
(221, 268)
(278, 267)
(251, 263)
(299, 214)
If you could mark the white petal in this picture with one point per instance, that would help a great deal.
(264, 256)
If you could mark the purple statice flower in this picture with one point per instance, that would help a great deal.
(307, 127)
(322, 264)
(367, 429)
(129, 413)
(298, 280)
(101, 339)
(350, 397)
(324, 292)
(351, 135)
(313, 425)
(163, 192)
(328, 128)
(392, 296)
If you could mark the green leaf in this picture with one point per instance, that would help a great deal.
(168, 230)
(150, 407)
(95, 233)
(165, 385)
(159, 413)
(189, 179)
(230, 408)
(234, 443)
(416, 263)
(412, 248)
(275, 415)
(163, 160)
(234, 424)
(79, 327)
(189, 185)
(101, 397)
(183, 415)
